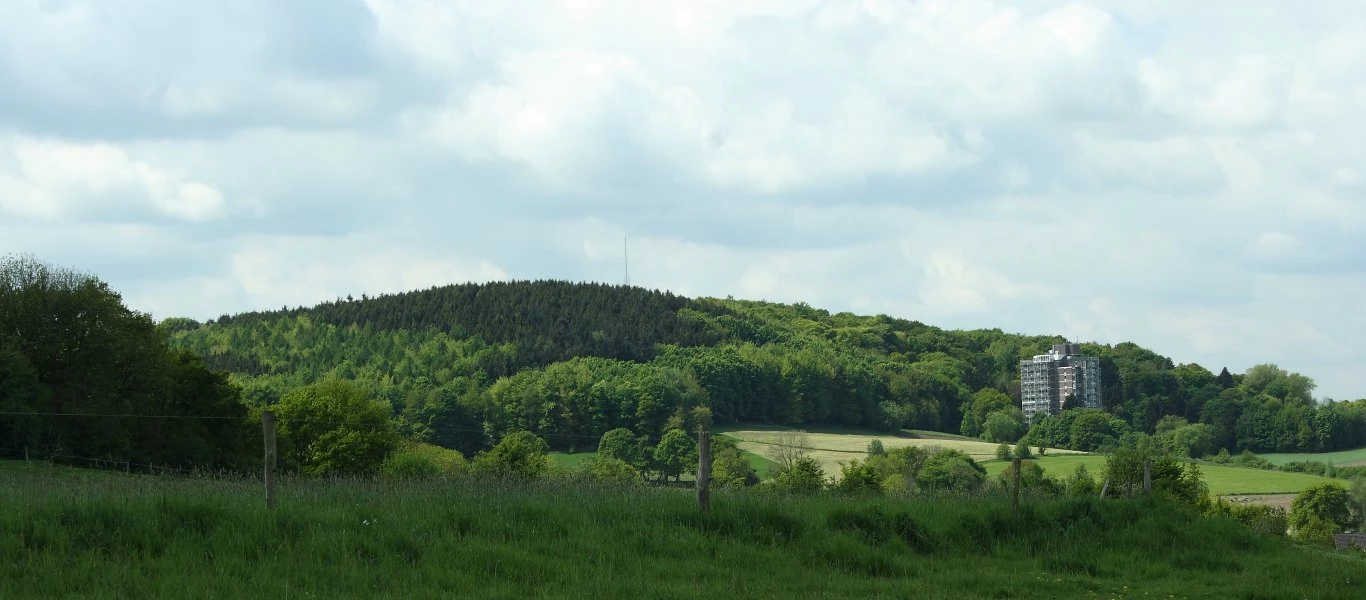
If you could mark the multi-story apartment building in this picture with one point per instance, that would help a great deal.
(1063, 377)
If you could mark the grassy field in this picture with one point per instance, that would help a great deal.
(1341, 459)
(118, 536)
(834, 448)
(1222, 480)
(571, 462)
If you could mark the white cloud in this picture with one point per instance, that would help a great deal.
(57, 179)
(1184, 175)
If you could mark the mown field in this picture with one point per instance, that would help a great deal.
(76, 534)
(1222, 480)
(578, 460)
(835, 448)
(1342, 458)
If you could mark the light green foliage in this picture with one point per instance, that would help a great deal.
(334, 428)
(676, 454)
(1005, 425)
(1032, 478)
(950, 471)
(612, 470)
(622, 444)
(1022, 450)
(875, 448)
(1085, 429)
(1080, 483)
(858, 477)
(1271, 520)
(729, 468)
(415, 460)
(805, 476)
(1003, 452)
(1320, 511)
(978, 410)
(520, 455)
(1124, 468)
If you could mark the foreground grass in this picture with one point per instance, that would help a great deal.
(116, 536)
(1342, 458)
(1222, 480)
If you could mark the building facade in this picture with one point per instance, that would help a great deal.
(1063, 377)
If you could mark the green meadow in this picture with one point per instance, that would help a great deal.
(1341, 459)
(107, 535)
(1222, 480)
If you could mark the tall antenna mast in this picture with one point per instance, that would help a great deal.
(626, 259)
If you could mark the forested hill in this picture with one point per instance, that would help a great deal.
(463, 364)
(549, 321)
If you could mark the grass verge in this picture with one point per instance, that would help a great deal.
(112, 536)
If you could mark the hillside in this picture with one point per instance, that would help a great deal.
(463, 364)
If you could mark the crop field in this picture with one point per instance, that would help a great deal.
(836, 449)
(1222, 480)
(110, 535)
(1342, 458)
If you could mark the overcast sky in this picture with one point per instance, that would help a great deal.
(1190, 175)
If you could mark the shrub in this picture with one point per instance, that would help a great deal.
(611, 470)
(520, 454)
(1080, 483)
(1322, 507)
(1259, 517)
(423, 461)
(951, 471)
(805, 476)
(875, 448)
(1003, 451)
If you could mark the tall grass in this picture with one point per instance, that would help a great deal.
(65, 534)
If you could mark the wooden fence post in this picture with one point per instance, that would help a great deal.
(1015, 489)
(268, 431)
(1147, 477)
(704, 469)
(1104, 488)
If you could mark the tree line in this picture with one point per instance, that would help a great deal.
(463, 366)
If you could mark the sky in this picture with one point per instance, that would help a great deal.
(1188, 176)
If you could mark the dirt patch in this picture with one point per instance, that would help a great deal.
(1281, 500)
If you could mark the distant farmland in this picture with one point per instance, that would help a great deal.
(1342, 459)
(1222, 480)
(836, 449)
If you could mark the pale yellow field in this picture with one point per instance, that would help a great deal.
(836, 449)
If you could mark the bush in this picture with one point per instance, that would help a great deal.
(1003, 452)
(1259, 517)
(805, 476)
(611, 470)
(521, 454)
(1080, 483)
(423, 461)
(1326, 506)
(951, 471)
(875, 448)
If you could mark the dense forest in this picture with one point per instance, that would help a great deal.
(460, 366)
(464, 366)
